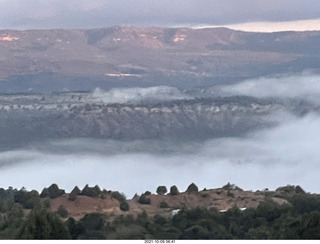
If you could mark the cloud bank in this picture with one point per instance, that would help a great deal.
(35, 14)
(138, 95)
(287, 154)
(305, 87)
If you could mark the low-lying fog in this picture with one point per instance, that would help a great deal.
(286, 154)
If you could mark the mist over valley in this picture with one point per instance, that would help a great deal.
(131, 108)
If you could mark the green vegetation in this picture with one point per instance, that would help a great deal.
(144, 199)
(161, 190)
(164, 204)
(192, 188)
(24, 215)
(174, 190)
(124, 206)
(91, 191)
(62, 212)
(74, 193)
(52, 192)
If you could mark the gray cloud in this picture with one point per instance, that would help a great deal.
(23, 14)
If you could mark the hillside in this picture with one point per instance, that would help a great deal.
(224, 213)
(220, 198)
(80, 60)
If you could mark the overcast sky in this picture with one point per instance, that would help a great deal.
(35, 14)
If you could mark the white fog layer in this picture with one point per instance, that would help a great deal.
(137, 95)
(303, 87)
(286, 154)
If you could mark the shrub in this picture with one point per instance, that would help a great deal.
(161, 190)
(174, 190)
(73, 194)
(230, 194)
(44, 225)
(44, 193)
(299, 190)
(28, 199)
(192, 188)
(163, 204)
(62, 211)
(46, 203)
(124, 206)
(76, 190)
(143, 199)
(91, 191)
(117, 195)
(54, 191)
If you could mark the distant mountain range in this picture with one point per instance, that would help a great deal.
(80, 60)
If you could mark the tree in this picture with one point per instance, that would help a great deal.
(27, 199)
(75, 229)
(54, 191)
(43, 225)
(163, 204)
(91, 191)
(73, 194)
(62, 211)
(192, 188)
(44, 193)
(161, 190)
(124, 206)
(143, 199)
(174, 190)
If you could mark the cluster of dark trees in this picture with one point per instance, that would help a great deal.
(32, 199)
(298, 220)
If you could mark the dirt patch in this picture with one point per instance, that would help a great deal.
(83, 205)
(221, 199)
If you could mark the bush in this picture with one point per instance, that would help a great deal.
(44, 193)
(73, 194)
(28, 199)
(192, 188)
(117, 195)
(230, 194)
(43, 225)
(54, 191)
(124, 206)
(161, 190)
(143, 199)
(163, 204)
(76, 190)
(46, 203)
(91, 191)
(174, 190)
(62, 211)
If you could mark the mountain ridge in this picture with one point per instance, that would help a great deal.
(67, 60)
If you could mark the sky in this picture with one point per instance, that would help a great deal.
(48, 14)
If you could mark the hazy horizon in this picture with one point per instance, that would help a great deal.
(53, 14)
